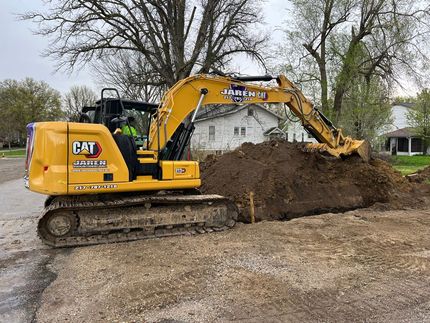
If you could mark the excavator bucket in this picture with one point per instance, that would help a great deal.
(349, 147)
(363, 150)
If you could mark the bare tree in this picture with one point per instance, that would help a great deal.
(76, 99)
(131, 75)
(393, 33)
(176, 37)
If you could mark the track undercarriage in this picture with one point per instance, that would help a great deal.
(79, 220)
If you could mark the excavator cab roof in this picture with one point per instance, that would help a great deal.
(128, 105)
(114, 107)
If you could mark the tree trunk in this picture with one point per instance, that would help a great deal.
(338, 99)
(324, 88)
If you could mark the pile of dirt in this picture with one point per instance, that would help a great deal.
(421, 176)
(288, 182)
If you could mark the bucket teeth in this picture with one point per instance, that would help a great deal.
(349, 147)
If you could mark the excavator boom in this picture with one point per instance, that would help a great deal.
(189, 94)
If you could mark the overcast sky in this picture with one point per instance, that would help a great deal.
(20, 54)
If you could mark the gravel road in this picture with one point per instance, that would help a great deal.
(24, 260)
(359, 266)
(11, 168)
(363, 265)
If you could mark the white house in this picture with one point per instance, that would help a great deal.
(222, 128)
(401, 139)
(296, 132)
(399, 113)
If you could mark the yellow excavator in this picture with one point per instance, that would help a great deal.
(107, 186)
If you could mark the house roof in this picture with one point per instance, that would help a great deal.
(220, 110)
(272, 130)
(401, 133)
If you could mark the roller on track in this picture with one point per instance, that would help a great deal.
(69, 221)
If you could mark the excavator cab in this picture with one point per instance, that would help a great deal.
(111, 112)
(118, 116)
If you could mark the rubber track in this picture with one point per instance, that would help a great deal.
(73, 203)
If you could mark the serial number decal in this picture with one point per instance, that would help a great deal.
(240, 93)
(180, 170)
(90, 164)
(94, 187)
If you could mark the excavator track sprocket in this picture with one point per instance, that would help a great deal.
(69, 221)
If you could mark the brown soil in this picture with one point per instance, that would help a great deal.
(421, 176)
(360, 266)
(288, 182)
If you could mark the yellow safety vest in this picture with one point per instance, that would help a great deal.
(126, 131)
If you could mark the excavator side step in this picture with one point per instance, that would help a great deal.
(69, 221)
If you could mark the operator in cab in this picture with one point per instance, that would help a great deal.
(129, 129)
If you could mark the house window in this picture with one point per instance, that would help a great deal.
(211, 133)
(243, 131)
(402, 144)
(387, 144)
(310, 136)
(250, 112)
(303, 137)
(236, 131)
(416, 145)
(294, 137)
(286, 136)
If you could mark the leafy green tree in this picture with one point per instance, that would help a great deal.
(22, 102)
(419, 118)
(75, 99)
(334, 33)
(367, 110)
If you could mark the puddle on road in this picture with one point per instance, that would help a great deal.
(25, 275)
(24, 268)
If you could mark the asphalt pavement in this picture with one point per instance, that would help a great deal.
(24, 260)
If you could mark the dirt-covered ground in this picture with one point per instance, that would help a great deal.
(359, 266)
(364, 265)
(23, 258)
(423, 175)
(288, 182)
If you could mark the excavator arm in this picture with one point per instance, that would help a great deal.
(172, 127)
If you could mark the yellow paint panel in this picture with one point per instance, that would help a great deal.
(48, 168)
(167, 169)
(135, 186)
(104, 155)
(185, 169)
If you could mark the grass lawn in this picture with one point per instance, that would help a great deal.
(410, 164)
(19, 152)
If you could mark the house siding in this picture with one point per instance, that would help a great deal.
(400, 121)
(225, 139)
(400, 117)
(296, 132)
